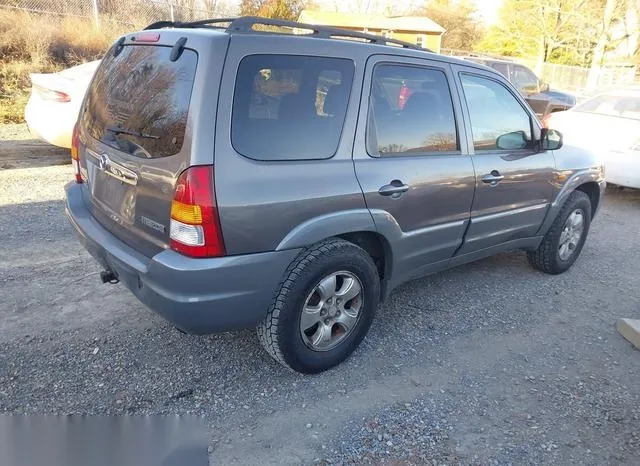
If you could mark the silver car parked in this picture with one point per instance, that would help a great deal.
(233, 177)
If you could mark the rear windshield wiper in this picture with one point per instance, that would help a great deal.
(130, 132)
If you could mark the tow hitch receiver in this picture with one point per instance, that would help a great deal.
(108, 276)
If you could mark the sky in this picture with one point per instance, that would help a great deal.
(488, 9)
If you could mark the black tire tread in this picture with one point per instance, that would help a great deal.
(541, 259)
(267, 329)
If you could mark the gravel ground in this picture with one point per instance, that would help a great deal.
(491, 363)
(19, 149)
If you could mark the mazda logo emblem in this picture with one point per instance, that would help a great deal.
(103, 161)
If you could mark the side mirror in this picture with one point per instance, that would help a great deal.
(550, 139)
(512, 141)
(544, 86)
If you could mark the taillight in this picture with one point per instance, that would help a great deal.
(75, 153)
(195, 226)
(50, 94)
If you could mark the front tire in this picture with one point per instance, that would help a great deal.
(323, 309)
(563, 242)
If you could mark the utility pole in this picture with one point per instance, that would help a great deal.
(95, 14)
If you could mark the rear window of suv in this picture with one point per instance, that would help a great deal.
(289, 107)
(139, 99)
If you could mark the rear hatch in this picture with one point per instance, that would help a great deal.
(134, 136)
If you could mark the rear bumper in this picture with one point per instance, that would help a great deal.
(196, 295)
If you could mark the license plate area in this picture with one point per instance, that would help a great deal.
(113, 188)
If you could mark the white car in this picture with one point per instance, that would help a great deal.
(54, 104)
(608, 124)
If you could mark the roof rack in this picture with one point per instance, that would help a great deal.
(245, 24)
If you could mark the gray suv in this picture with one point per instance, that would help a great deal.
(234, 176)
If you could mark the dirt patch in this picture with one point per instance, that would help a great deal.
(19, 149)
(14, 132)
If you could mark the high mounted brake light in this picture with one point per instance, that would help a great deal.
(146, 37)
(75, 153)
(195, 226)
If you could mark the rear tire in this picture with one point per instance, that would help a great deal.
(563, 242)
(332, 266)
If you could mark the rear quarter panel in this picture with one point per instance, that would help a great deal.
(265, 206)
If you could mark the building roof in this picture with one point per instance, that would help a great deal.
(396, 23)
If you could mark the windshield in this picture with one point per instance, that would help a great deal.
(139, 100)
(625, 106)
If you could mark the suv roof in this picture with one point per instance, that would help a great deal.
(246, 25)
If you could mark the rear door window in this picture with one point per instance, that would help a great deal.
(411, 112)
(139, 99)
(289, 107)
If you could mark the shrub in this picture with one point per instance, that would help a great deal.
(32, 43)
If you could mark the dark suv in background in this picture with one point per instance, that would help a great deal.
(537, 93)
(233, 177)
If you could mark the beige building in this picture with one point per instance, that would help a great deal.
(418, 30)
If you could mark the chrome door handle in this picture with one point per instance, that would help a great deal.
(394, 189)
(493, 178)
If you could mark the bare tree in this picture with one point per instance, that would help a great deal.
(545, 28)
(251, 7)
(386, 7)
(459, 20)
(210, 6)
(600, 48)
